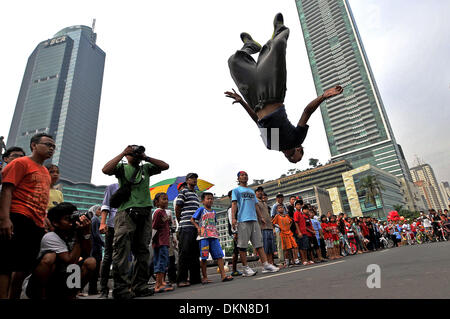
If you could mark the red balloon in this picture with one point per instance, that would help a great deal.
(393, 215)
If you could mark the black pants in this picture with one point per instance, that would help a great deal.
(20, 253)
(323, 248)
(94, 278)
(189, 256)
(394, 239)
(264, 81)
(107, 260)
(172, 269)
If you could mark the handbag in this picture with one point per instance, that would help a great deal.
(123, 194)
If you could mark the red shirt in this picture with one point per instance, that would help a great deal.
(32, 187)
(364, 229)
(300, 220)
(326, 231)
(161, 225)
(309, 226)
(334, 231)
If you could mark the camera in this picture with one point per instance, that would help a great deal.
(138, 151)
(75, 217)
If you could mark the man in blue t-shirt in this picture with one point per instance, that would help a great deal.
(243, 211)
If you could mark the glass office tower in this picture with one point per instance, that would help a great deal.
(356, 123)
(60, 95)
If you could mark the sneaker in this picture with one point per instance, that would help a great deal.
(278, 25)
(254, 46)
(270, 268)
(248, 272)
(297, 262)
(236, 273)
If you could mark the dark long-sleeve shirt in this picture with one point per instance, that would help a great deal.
(97, 240)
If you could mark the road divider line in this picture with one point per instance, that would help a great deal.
(303, 269)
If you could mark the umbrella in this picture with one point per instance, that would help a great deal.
(170, 186)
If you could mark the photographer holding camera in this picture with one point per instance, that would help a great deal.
(133, 220)
(70, 240)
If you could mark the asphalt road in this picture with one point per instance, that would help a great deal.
(419, 271)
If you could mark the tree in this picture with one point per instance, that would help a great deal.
(313, 162)
(250, 249)
(291, 171)
(409, 214)
(398, 208)
(372, 188)
(370, 185)
(229, 251)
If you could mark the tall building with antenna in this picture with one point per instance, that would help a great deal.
(424, 178)
(60, 95)
(356, 123)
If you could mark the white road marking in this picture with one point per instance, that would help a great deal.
(303, 269)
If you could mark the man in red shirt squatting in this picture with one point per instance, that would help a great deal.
(23, 202)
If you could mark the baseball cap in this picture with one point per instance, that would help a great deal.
(190, 175)
(240, 172)
(181, 185)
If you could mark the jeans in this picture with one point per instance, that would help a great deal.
(107, 260)
(189, 254)
(131, 235)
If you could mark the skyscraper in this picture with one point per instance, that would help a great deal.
(356, 123)
(423, 176)
(60, 95)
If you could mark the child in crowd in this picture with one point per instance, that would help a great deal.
(314, 249)
(55, 196)
(204, 219)
(283, 221)
(160, 242)
(328, 237)
(358, 235)
(302, 233)
(335, 236)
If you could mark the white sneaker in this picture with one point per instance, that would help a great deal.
(270, 268)
(248, 272)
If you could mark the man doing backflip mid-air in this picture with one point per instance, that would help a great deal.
(263, 86)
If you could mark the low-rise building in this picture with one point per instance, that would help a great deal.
(390, 192)
(82, 195)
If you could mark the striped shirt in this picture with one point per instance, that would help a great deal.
(189, 203)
